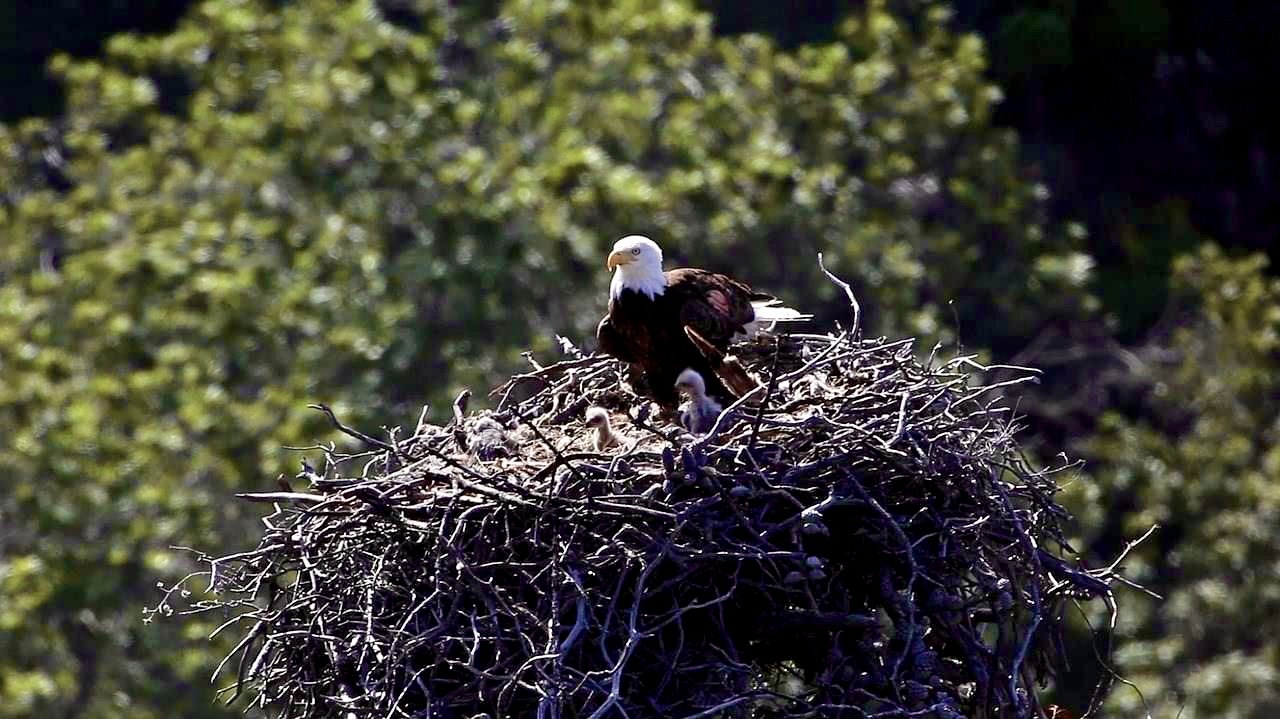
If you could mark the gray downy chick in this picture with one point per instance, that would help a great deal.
(699, 413)
(488, 439)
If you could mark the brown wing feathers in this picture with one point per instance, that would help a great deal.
(727, 367)
(611, 342)
(689, 325)
(715, 305)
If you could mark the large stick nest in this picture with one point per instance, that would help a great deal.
(858, 537)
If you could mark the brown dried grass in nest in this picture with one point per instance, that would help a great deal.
(859, 538)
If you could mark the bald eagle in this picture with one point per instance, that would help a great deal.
(649, 310)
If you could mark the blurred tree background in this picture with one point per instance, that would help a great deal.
(214, 212)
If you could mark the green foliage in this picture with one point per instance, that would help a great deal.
(1136, 279)
(1204, 463)
(369, 215)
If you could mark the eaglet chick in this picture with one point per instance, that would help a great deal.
(604, 437)
(699, 413)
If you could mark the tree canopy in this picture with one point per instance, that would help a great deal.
(1203, 464)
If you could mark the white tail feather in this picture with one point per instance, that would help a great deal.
(774, 311)
(771, 312)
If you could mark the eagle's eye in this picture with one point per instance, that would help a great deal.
(635, 250)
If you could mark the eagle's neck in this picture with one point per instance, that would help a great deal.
(646, 279)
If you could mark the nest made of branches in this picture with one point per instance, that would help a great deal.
(860, 536)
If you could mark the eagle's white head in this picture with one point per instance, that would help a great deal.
(636, 262)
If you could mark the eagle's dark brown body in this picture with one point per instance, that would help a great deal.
(649, 332)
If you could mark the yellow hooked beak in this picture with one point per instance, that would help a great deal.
(618, 257)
